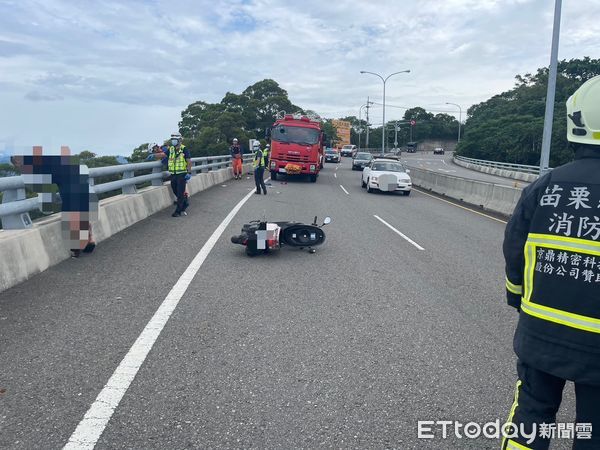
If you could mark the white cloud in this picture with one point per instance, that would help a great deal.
(144, 61)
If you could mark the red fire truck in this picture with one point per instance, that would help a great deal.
(296, 147)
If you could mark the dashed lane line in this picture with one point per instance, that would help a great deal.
(398, 232)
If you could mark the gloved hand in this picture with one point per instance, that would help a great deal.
(188, 177)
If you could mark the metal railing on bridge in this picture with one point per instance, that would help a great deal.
(501, 165)
(15, 207)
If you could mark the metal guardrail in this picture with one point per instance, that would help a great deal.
(15, 207)
(501, 165)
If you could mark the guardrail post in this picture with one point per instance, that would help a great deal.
(130, 189)
(158, 181)
(208, 162)
(15, 221)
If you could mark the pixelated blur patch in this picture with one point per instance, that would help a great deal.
(61, 182)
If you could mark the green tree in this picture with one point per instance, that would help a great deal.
(140, 153)
(509, 126)
(208, 128)
(330, 132)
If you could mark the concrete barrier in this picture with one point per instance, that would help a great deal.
(27, 252)
(492, 197)
(522, 176)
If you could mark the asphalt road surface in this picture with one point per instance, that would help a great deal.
(399, 317)
(444, 164)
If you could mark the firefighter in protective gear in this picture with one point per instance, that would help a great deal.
(260, 163)
(552, 253)
(180, 166)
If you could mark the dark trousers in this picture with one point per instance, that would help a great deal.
(178, 187)
(259, 179)
(537, 398)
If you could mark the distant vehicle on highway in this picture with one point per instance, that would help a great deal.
(386, 175)
(332, 155)
(386, 156)
(411, 147)
(349, 150)
(361, 160)
(438, 151)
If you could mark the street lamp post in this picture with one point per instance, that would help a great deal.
(550, 94)
(384, 81)
(360, 120)
(459, 117)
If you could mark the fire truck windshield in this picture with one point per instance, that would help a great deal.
(297, 135)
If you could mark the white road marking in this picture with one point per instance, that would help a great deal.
(398, 232)
(96, 419)
(459, 206)
(444, 161)
(335, 175)
(344, 189)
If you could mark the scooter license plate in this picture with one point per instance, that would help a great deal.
(282, 170)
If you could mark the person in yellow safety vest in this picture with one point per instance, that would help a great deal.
(260, 162)
(180, 166)
(552, 253)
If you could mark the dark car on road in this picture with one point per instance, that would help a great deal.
(332, 155)
(438, 151)
(361, 160)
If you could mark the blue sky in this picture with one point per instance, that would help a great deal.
(108, 75)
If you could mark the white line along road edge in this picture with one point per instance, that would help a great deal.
(94, 422)
(398, 232)
(344, 189)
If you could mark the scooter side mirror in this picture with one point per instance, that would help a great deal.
(327, 220)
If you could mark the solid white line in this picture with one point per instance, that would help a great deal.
(335, 175)
(398, 232)
(344, 189)
(94, 422)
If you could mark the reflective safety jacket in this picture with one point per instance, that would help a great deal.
(260, 159)
(177, 162)
(552, 253)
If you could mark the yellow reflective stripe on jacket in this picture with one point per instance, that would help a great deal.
(260, 162)
(561, 317)
(529, 270)
(565, 243)
(514, 288)
(513, 408)
(512, 445)
(554, 242)
(177, 162)
(543, 312)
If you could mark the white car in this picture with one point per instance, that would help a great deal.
(349, 150)
(386, 175)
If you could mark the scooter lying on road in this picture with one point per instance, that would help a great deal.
(261, 236)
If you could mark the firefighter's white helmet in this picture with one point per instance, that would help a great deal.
(583, 113)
